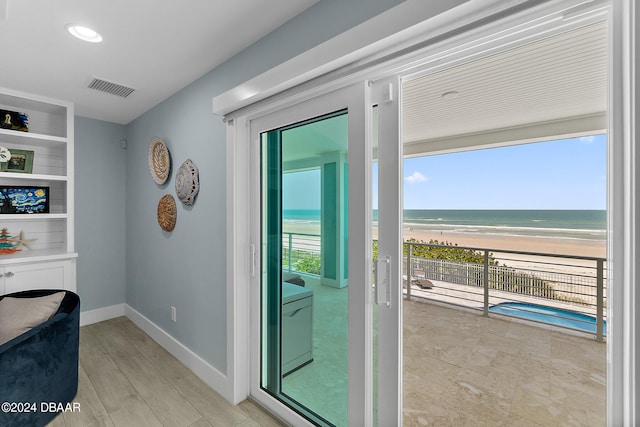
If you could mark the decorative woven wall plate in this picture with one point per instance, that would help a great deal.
(187, 182)
(159, 160)
(167, 212)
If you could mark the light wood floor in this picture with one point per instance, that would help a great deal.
(127, 379)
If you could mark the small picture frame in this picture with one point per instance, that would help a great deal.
(14, 120)
(21, 162)
(24, 200)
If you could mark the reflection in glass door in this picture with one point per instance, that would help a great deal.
(305, 269)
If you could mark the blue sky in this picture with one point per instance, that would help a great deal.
(562, 174)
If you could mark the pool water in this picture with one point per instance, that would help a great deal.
(551, 315)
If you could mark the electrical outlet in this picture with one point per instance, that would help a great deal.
(173, 314)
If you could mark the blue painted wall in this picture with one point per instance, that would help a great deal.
(124, 256)
(187, 267)
(100, 226)
(321, 22)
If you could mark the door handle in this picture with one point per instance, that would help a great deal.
(383, 281)
(9, 274)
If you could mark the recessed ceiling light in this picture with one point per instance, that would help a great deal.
(84, 33)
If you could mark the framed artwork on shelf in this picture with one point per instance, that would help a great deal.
(21, 161)
(14, 120)
(24, 200)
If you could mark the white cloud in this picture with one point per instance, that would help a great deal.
(587, 139)
(416, 177)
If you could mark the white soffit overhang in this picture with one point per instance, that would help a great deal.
(553, 87)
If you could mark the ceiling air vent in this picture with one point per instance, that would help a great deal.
(110, 87)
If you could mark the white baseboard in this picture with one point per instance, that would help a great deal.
(207, 373)
(101, 314)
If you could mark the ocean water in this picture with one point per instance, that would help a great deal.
(577, 224)
(301, 216)
(574, 224)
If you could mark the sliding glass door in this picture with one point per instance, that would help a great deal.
(314, 292)
(304, 284)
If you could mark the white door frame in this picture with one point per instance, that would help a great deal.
(623, 379)
(386, 95)
(623, 299)
(355, 98)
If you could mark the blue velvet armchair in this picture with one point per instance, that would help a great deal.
(40, 366)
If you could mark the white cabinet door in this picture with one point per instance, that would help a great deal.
(43, 275)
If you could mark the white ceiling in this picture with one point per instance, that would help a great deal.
(557, 85)
(156, 47)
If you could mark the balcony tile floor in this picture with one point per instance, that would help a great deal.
(463, 369)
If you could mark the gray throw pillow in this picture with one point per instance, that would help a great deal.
(18, 315)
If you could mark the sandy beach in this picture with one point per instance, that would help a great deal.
(571, 279)
(542, 245)
(495, 242)
(548, 245)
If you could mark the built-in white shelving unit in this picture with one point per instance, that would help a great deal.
(50, 261)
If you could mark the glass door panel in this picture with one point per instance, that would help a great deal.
(316, 332)
(304, 294)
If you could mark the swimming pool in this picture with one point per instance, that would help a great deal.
(551, 315)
